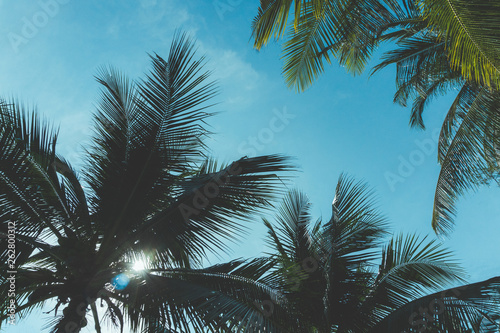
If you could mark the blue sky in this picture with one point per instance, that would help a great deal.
(342, 124)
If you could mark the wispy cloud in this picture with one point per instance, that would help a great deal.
(164, 15)
(239, 80)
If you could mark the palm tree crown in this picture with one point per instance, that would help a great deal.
(333, 279)
(147, 192)
(441, 45)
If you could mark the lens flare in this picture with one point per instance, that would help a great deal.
(121, 281)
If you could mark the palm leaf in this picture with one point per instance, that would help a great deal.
(410, 268)
(323, 29)
(225, 295)
(422, 73)
(470, 158)
(471, 30)
(468, 308)
(356, 225)
(146, 137)
(271, 21)
(209, 208)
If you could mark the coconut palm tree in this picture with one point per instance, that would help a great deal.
(349, 29)
(469, 142)
(471, 29)
(342, 275)
(147, 193)
(440, 46)
(320, 30)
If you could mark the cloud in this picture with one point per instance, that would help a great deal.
(166, 14)
(232, 67)
(113, 29)
(239, 80)
(148, 3)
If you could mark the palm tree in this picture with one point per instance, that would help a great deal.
(471, 29)
(147, 192)
(349, 30)
(468, 148)
(440, 46)
(320, 30)
(333, 279)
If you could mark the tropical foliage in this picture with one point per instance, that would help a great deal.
(441, 46)
(468, 148)
(148, 191)
(320, 30)
(471, 31)
(348, 30)
(342, 275)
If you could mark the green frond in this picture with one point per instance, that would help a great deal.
(271, 20)
(410, 268)
(471, 31)
(209, 209)
(471, 156)
(458, 109)
(225, 295)
(469, 308)
(321, 30)
(422, 73)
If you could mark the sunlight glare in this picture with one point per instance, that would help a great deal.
(139, 265)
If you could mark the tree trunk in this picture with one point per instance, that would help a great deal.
(73, 316)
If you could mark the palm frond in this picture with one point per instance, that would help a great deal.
(471, 157)
(469, 308)
(471, 31)
(346, 30)
(31, 195)
(148, 135)
(271, 21)
(410, 268)
(210, 208)
(291, 236)
(225, 295)
(296, 242)
(422, 72)
(356, 225)
(464, 99)
(350, 240)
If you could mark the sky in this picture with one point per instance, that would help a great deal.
(51, 50)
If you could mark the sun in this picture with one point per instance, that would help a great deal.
(139, 265)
